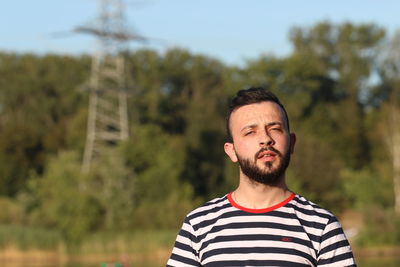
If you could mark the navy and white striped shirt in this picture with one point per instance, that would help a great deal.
(295, 232)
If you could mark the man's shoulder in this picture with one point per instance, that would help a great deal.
(308, 208)
(213, 206)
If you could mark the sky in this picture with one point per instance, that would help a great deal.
(233, 31)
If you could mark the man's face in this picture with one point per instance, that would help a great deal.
(261, 142)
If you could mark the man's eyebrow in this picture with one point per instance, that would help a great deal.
(274, 123)
(252, 126)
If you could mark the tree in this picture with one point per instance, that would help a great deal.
(390, 90)
(185, 96)
(162, 196)
(38, 97)
(333, 64)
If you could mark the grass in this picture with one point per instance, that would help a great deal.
(20, 242)
(25, 237)
(139, 247)
(117, 242)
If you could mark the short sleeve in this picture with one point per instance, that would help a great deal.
(335, 249)
(185, 252)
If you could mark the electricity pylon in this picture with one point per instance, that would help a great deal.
(107, 114)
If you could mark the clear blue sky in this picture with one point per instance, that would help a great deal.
(229, 30)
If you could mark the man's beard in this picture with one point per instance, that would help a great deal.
(267, 176)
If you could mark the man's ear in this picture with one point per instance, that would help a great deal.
(230, 151)
(292, 142)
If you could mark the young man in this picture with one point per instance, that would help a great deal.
(261, 223)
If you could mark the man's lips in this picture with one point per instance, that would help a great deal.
(267, 154)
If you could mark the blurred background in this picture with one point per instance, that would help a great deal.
(112, 119)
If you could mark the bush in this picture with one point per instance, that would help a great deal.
(381, 227)
(11, 212)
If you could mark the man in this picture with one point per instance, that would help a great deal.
(261, 223)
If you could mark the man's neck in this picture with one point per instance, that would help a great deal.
(253, 195)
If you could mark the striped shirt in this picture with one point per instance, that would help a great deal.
(295, 232)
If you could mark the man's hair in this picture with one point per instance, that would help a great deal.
(251, 96)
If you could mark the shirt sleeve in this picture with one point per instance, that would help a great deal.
(335, 249)
(185, 252)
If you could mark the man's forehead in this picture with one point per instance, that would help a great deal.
(263, 110)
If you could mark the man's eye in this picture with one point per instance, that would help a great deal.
(249, 133)
(277, 129)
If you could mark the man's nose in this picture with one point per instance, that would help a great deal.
(266, 139)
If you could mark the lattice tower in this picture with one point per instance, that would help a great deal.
(107, 114)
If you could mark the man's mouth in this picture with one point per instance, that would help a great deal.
(267, 155)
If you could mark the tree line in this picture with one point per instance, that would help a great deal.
(340, 84)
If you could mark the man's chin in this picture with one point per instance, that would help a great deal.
(268, 167)
(269, 179)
